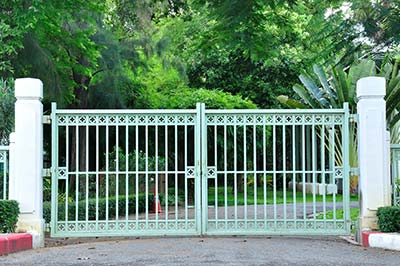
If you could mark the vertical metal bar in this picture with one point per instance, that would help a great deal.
(176, 176)
(332, 175)
(199, 127)
(54, 172)
(117, 169)
(67, 167)
(274, 168)
(156, 196)
(97, 175)
(185, 139)
(4, 153)
(107, 170)
(166, 172)
(204, 161)
(303, 167)
(323, 169)
(346, 167)
(265, 176)
(284, 173)
(147, 174)
(137, 174)
(126, 172)
(314, 170)
(225, 176)
(294, 173)
(76, 174)
(245, 173)
(235, 172)
(255, 169)
(309, 153)
(87, 173)
(216, 176)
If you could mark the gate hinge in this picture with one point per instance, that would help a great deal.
(355, 171)
(46, 172)
(46, 119)
(353, 118)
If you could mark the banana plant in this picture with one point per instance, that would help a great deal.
(320, 92)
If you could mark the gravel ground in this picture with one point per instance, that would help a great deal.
(208, 251)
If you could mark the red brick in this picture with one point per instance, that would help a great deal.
(15, 242)
(365, 237)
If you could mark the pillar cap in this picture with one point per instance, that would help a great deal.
(371, 87)
(28, 88)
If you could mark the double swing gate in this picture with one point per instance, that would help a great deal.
(200, 172)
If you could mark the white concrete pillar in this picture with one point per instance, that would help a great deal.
(372, 147)
(28, 159)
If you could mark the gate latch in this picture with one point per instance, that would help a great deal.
(353, 118)
(355, 171)
(46, 172)
(46, 119)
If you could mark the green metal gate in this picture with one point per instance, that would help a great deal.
(275, 172)
(193, 172)
(395, 173)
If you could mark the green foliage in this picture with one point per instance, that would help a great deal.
(389, 219)
(379, 20)
(333, 87)
(9, 212)
(162, 87)
(7, 101)
(141, 160)
(112, 206)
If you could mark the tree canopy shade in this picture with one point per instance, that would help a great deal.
(138, 54)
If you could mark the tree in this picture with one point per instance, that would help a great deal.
(6, 110)
(319, 91)
(253, 48)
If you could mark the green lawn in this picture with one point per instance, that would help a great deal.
(354, 212)
(270, 197)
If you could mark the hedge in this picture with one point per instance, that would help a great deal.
(9, 211)
(389, 219)
(101, 207)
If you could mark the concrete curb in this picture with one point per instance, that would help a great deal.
(381, 240)
(10, 243)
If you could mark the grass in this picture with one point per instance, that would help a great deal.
(269, 197)
(354, 212)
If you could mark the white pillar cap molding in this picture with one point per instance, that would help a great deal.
(29, 89)
(371, 87)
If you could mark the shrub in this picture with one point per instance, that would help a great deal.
(9, 211)
(389, 219)
(101, 207)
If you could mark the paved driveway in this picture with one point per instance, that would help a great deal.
(208, 251)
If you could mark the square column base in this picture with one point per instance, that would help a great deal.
(368, 222)
(30, 223)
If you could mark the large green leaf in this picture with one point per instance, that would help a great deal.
(291, 103)
(303, 93)
(325, 85)
(314, 90)
(340, 85)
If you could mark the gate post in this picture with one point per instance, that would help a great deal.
(28, 158)
(372, 148)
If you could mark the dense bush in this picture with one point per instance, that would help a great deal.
(112, 206)
(9, 211)
(389, 219)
